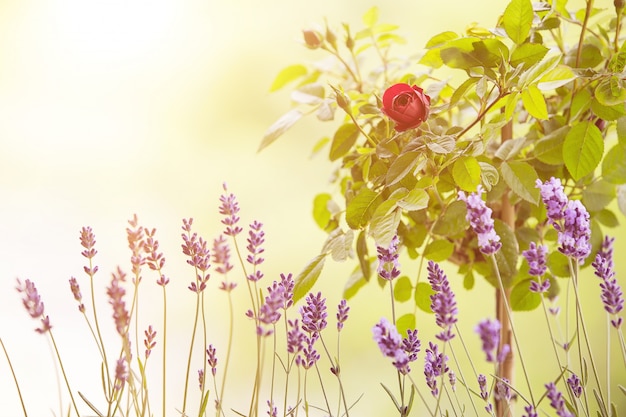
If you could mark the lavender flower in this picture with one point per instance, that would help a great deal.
(503, 390)
(33, 304)
(77, 295)
(434, 366)
(411, 344)
(256, 237)
(452, 378)
(121, 374)
(535, 255)
(269, 313)
(388, 265)
(221, 255)
(149, 341)
(201, 379)
(530, 411)
(295, 338)
(443, 303)
(116, 298)
(556, 401)
(575, 385)
(612, 296)
(484, 394)
(342, 314)
(554, 198)
(272, 410)
(574, 238)
(309, 355)
(135, 237)
(229, 208)
(390, 344)
(196, 249)
(212, 359)
(489, 332)
(314, 313)
(479, 217)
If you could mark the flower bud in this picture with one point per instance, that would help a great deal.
(342, 100)
(619, 5)
(312, 39)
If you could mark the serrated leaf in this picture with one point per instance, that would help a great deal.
(522, 299)
(608, 113)
(511, 105)
(287, 75)
(370, 17)
(461, 90)
(556, 77)
(440, 39)
(580, 103)
(527, 54)
(360, 209)
(442, 144)
(339, 244)
(521, 177)
(452, 222)
(321, 214)
(308, 277)
(384, 223)
(598, 195)
(416, 199)
(279, 127)
(538, 70)
(401, 167)
(534, 102)
(614, 165)
(510, 148)
(549, 149)
(583, 149)
(466, 173)
(439, 250)
(518, 19)
(363, 255)
(402, 289)
(404, 323)
(423, 291)
(344, 138)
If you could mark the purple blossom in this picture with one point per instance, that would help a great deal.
(314, 313)
(229, 208)
(479, 217)
(535, 255)
(575, 385)
(612, 296)
(574, 236)
(77, 294)
(295, 338)
(434, 366)
(503, 390)
(256, 237)
(201, 379)
(33, 304)
(269, 313)
(554, 198)
(443, 303)
(489, 332)
(484, 394)
(411, 344)
(309, 355)
(452, 378)
(221, 255)
(121, 374)
(342, 314)
(116, 295)
(530, 411)
(539, 286)
(556, 401)
(272, 410)
(149, 341)
(388, 265)
(212, 359)
(390, 344)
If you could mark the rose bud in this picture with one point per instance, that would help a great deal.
(312, 39)
(407, 106)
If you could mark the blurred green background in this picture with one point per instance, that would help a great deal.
(109, 108)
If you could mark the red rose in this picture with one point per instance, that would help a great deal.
(407, 106)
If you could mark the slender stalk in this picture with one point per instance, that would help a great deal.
(67, 384)
(100, 340)
(164, 350)
(228, 350)
(460, 371)
(17, 385)
(193, 337)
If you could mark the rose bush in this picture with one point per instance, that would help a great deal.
(407, 106)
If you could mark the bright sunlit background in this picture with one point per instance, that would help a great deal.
(109, 108)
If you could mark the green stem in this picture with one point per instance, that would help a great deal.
(17, 385)
(67, 384)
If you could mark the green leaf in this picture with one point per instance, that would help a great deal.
(538, 70)
(607, 218)
(461, 90)
(401, 167)
(205, 402)
(527, 54)
(344, 139)
(534, 102)
(439, 250)
(384, 223)
(402, 289)
(522, 299)
(510, 148)
(452, 222)
(321, 214)
(583, 149)
(621, 130)
(556, 77)
(360, 209)
(614, 165)
(521, 177)
(432, 58)
(549, 149)
(599, 194)
(591, 57)
(363, 255)
(416, 199)
(287, 75)
(279, 127)
(508, 254)
(466, 173)
(308, 277)
(609, 113)
(440, 39)
(339, 244)
(558, 264)
(518, 19)
(404, 323)
(355, 282)
(423, 291)
(488, 175)
(580, 103)
(459, 53)
(371, 17)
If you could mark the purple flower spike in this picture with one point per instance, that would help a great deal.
(535, 255)
(530, 411)
(556, 401)
(314, 314)
(612, 296)
(309, 354)
(33, 304)
(489, 332)
(479, 217)
(576, 233)
(390, 344)
(342, 314)
(443, 303)
(554, 198)
(434, 366)
(574, 383)
(484, 394)
(212, 359)
(229, 208)
(295, 338)
(388, 265)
